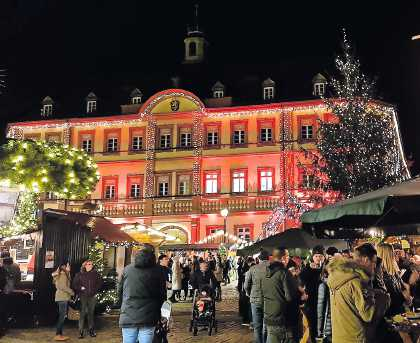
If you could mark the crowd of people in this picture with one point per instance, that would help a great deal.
(333, 296)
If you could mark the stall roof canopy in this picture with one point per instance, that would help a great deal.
(196, 247)
(101, 227)
(394, 205)
(291, 239)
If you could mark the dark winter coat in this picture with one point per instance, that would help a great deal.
(142, 291)
(394, 286)
(12, 269)
(199, 279)
(253, 282)
(91, 281)
(2, 278)
(281, 297)
(311, 279)
(324, 308)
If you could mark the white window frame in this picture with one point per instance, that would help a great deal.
(135, 190)
(112, 144)
(137, 143)
(218, 94)
(268, 93)
(238, 181)
(266, 134)
(266, 180)
(91, 106)
(239, 136)
(319, 88)
(307, 180)
(214, 138)
(166, 140)
(135, 100)
(212, 183)
(164, 190)
(109, 192)
(87, 145)
(243, 232)
(183, 187)
(47, 110)
(306, 132)
(185, 139)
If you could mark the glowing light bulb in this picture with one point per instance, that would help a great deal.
(44, 179)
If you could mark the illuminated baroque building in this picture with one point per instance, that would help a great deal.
(175, 161)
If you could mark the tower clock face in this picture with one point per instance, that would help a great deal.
(174, 105)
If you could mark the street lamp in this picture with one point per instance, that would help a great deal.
(224, 213)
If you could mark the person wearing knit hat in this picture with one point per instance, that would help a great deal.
(311, 278)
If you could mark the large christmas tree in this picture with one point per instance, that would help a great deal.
(360, 148)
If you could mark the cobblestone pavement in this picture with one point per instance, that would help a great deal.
(230, 329)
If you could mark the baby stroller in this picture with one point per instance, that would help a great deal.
(162, 327)
(203, 311)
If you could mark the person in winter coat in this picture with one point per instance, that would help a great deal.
(226, 269)
(186, 272)
(218, 274)
(142, 291)
(252, 286)
(63, 293)
(355, 306)
(324, 308)
(311, 279)
(86, 284)
(281, 297)
(176, 279)
(203, 277)
(13, 275)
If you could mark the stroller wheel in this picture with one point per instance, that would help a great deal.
(195, 331)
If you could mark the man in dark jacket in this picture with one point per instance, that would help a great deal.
(142, 291)
(87, 284)
(253, 283)
(203, 277)
(311, 279)
(281, 297)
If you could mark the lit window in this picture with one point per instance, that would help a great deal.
(268, 93)
(218, 94)
(135, 191)
(184, 185)
(91, 106)
(47, 110)
(238, 181)
(193, 49)
(266, 134)
(306, 132)
(212, 183)
(87, 145)
(165, 138)
(266, 180)
(137, 143)
(50, 196)
(239, 137)
(112, 144)
(185, 139)
(135, 100)
(244, 233)
(110, 192)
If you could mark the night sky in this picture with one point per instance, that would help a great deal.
(60, 47)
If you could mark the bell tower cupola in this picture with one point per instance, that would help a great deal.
(195, 43)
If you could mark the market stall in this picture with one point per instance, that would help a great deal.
(291, 239)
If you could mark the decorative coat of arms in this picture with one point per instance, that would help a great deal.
(174, 105)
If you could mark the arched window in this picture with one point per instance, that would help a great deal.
(193, 49)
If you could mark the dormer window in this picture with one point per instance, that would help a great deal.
(319, 89)
(47, 110)
(268, 93)
(47, 106)
(218, 94)
(192, 49)
(91, 106)
(136, 96)
(91, 103)
(268, 86)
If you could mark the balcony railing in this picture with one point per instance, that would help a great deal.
(167, 205)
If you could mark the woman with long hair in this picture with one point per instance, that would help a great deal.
(397, 289)
(63, 293)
